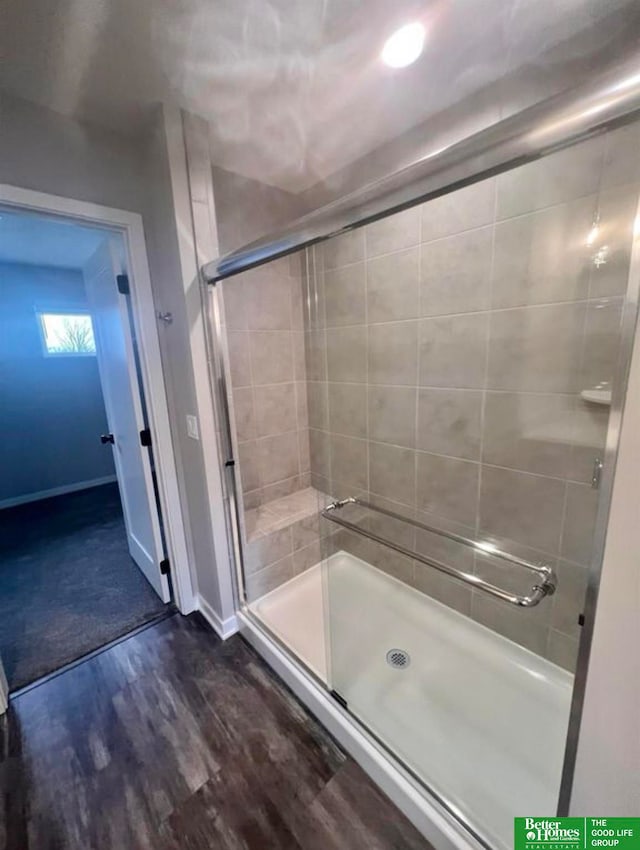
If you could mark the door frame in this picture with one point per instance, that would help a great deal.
(129, 225)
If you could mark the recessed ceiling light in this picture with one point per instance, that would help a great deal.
(404, 46)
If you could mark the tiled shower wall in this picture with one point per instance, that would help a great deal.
(265, 337)
(447, 349)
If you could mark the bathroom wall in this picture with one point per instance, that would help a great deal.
(52, 411)
(447, 347)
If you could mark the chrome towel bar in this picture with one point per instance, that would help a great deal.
(545, 586)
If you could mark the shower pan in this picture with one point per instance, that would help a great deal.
(420, 447)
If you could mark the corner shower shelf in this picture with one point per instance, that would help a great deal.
(545, 586)
(597, 396)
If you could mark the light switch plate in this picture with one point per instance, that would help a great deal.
(192, 427)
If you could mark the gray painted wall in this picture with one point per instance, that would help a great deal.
(48, 152)
(51, 410)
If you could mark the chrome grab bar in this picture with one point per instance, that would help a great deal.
(545, 587)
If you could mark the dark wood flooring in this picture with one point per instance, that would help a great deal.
(173, 739)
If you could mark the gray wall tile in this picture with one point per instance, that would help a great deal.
(315, 349)
(320, 453)
(268, 578)
(392, 415)
(349, 461)
(602, 342)
(530, 432)
(455, 273)
(392, 472)
(275, 409)
(621, 161)
(278, 458)
(522, 507)
(307, 557)
(617, 209)
(567, 602)
(521, 625)
(347, 354)
(234, 303)
(579, 524)
(562, 650)
(448, 487)
(453, 351)
(244, 413)
(239, 358)
(393, 286)
(267, 549)
(267, 300)
(345, 301)
(470, 207)
(249, 465)
(449, 422)
(305, 531)
(393, 353)
(393, 233)
(343, 250)
(542, 257)
(348, 409)
(442, 588)
(317, 405)
(536, 349)
(566, 175)
(271, 357)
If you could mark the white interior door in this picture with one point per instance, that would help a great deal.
(123, 403)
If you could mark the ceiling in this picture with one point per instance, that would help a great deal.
(39, 241)
(294, 91)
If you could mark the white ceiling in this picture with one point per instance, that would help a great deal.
(39, 241)
(294, 89)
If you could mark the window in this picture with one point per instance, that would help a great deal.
(67, 334)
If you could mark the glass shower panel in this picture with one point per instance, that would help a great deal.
(264, 316)
(460, 361)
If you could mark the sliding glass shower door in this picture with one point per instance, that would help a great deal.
(461, 360)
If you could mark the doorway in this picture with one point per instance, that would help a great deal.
(84, 556)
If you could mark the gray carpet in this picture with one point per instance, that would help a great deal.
(67, 582)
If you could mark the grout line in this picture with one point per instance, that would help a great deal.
(485, 382)
(508, 309)
(497, 220)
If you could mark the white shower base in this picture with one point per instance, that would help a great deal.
(479, 719)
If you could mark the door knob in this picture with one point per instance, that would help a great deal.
(106, 438)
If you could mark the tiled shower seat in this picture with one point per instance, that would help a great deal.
(282, 540)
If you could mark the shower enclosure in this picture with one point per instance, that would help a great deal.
(418, 412)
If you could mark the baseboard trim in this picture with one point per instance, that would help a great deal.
(56, 491)
(429, 817)
(223, 628)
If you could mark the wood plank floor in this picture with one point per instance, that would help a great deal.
(174, 739)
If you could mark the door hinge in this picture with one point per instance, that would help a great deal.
(230, 462)
(339, 698)
(581, 619)
(164, 567)
(123, 284)
(145, 437)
